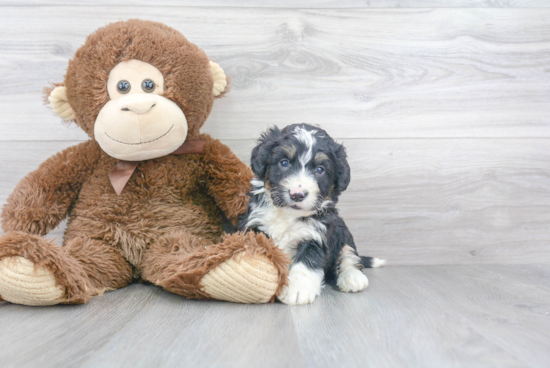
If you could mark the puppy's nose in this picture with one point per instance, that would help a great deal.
(138, 103)
(298, 195)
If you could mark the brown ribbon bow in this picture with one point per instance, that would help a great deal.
(124, 169)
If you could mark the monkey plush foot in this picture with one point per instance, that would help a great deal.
(243, 268)
(23, 283)
(34, 271)
(242, 280)
(253, 272)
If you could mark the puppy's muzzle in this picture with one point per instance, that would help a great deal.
(298, 195)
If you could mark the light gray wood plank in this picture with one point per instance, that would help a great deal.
(361, 73)
(535, 274)
(429, 317)
(499, 308)
(143, 326)
(385, 327)
(65, 336)
(453, 201)
(174, 332)
(434, 316)
(305, 4)
(414, 201)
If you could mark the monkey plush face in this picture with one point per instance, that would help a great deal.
(139, 88)
(137, 122)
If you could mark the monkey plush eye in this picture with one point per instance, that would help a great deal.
(319, 170)
(284, 163)
(148, 85)
(123, 86)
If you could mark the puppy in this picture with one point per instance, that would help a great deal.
(299, 174)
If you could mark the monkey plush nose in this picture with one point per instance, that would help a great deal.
(297, 195)
(138, 103)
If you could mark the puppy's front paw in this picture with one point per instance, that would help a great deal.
(304, 285)
(297, 294)
(352, 280)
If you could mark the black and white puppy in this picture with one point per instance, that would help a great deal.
(299, 174)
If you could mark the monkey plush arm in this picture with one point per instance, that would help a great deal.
(228, 178)
(43, 198)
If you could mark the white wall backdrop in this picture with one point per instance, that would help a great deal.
(444, 106)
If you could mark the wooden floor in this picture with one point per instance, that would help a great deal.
(434, 316)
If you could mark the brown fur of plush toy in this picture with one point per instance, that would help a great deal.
(165, 227)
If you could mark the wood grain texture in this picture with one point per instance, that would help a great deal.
(431, 317)
(361, 73)
(304, 4)
(444, 112)
(435, 316)
(414, 201)
(235, 335)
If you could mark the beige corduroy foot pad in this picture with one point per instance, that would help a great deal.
(242, 280)
(21, 283)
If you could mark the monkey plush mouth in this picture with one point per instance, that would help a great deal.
(133, 144)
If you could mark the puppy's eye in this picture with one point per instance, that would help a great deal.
(284, 163)
(123, 86)
(319, 170)
(148, 85)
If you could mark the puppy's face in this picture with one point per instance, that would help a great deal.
(301, 166)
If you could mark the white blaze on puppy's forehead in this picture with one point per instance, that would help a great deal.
(307, 137)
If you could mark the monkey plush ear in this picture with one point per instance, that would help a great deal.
(59, 103)
(220, 80)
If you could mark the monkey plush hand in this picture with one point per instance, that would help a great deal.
(145, 196)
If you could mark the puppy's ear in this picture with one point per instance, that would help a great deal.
(342, 168)
(261, 153)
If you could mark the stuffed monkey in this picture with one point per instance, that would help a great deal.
(145, 196)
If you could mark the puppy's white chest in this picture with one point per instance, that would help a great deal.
(287, 231)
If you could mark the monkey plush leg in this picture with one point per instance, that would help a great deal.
(34, 271)
(243, 268)
(104, 266)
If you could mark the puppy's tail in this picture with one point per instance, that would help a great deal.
(370, 262)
